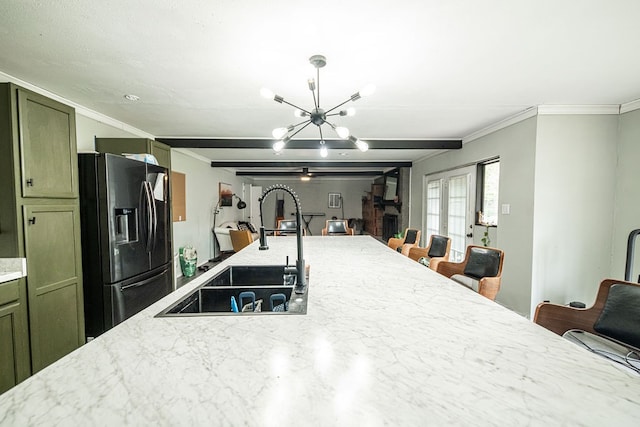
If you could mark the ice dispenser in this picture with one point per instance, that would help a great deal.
(126, 225)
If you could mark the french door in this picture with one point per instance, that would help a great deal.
(449, 201)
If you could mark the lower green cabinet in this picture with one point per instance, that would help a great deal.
(54, 277)
(14, 335)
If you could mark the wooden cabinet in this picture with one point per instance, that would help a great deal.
(14, 334)
(39, 218)
(371, 213)
(162, 152)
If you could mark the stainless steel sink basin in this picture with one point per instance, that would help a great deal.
(265, 289)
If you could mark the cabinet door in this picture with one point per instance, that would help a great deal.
(162, 153)
(54, 281)
(47, 147)
(14, 338)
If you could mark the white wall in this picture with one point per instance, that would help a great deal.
(627, 194)
(314, 197)
(202, 196)
(88, 128)
(515, 145)
(573, 215)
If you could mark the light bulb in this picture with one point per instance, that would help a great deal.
(299, 113)
(278, 133)
(342, 132)
(266, 93)
(351, 111)
(362, 146)
(278, 146)
(305, 178)
(312, 84)
(324, 152)
(367, 90)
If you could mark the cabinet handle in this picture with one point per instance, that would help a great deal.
(30, 182)
(32, 220)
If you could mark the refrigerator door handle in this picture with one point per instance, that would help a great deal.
(154, 215)
(144, 282)
(148, 213)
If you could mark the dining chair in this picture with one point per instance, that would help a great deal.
(436, 251)
(480, 270)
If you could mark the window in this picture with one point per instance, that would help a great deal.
(433, 208)
(488, 190)
(457, 215)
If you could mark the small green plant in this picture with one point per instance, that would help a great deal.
(486, 241)
(399, 235)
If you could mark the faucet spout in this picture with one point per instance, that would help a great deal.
(300, 263)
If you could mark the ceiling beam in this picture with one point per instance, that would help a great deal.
(257, 164)
(311, 173)
(308, 144)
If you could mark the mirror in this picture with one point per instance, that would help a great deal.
(390, 188)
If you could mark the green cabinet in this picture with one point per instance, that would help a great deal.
(162, 152)
(39, 219)
(14, 334)
(47, 147)
(55, 281)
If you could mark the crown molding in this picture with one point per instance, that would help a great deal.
(630, 106)
(83, 111)
(544, 110)
(523, 115)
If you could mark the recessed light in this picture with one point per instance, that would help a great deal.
(344, 154)
(131, 97)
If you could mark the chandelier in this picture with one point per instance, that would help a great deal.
(317, 115)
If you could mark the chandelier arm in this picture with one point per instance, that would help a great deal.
(332, 114)
(295, 106)
(301, 123)
(331, 124)
(337, 106)
(320, 129)
(296, 132)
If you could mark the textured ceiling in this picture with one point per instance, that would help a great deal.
(443, 69)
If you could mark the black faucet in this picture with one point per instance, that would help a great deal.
(299, 269)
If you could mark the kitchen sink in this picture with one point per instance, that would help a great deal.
(260, 290)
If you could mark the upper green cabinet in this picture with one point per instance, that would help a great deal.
(162, 152)
(47, 147)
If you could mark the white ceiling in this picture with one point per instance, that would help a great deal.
(443, 69)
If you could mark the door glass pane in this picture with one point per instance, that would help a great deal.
(457, 215)
(434, 191)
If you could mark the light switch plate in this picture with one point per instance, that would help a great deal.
(506, 209)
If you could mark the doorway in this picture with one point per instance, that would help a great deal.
(449, 202)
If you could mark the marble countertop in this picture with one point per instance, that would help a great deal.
(12, 269)
(385, 341)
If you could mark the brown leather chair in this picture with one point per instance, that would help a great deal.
(240, 239)
(481, 270)
(614, 314)
(410, 240)
(337, 227)
(436, 251)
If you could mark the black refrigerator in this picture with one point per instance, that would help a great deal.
(126, 238)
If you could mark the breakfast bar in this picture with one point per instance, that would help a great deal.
(384, 341)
